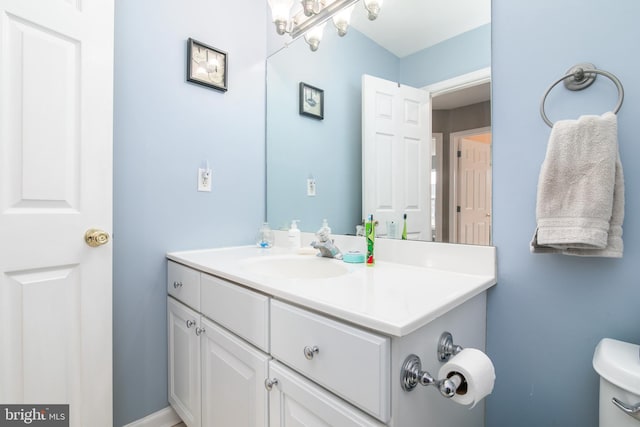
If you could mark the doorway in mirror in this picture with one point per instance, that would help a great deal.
(461, 158)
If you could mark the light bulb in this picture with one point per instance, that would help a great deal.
(280, 10)
(308, 7)
(373, 7)
(314, 36)
(342, 19)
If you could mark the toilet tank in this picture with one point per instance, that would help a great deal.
(618, 364)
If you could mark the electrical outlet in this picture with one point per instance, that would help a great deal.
(311, 187)
(204, 179)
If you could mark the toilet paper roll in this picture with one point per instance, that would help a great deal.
(478, 372)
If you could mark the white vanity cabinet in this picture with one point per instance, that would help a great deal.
(184, 362)
(249, 350)
(215, 377)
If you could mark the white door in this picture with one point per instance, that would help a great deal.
(396, 156)
(474, 199)
(184, 361)
(233, 374)
(297, 402)
(56, 85)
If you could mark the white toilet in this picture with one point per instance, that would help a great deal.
(618, 364)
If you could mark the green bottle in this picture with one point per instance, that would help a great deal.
(404, 228)
(370, 235)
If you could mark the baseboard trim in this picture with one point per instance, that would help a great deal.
(166, 417)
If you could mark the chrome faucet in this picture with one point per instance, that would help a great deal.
(325, 245)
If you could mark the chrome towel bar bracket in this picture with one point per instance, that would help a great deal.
(579, 77)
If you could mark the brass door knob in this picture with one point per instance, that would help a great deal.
(94, 237)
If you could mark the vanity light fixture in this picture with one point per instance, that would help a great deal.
(314, 36)
(309, 17)
(342, 20)
(373, 7)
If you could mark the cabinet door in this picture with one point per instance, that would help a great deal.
(233, 374)
(184, 362)
(297, 402)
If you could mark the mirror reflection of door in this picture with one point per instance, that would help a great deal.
(455, 185)
(472, 197)
(396, 158)
(463, 184)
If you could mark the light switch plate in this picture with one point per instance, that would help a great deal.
(204, 179)
(311, 187)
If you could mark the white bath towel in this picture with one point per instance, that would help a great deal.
(580, 205)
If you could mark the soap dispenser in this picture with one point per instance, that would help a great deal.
(265, 237)
(294, 236)
(325, 227)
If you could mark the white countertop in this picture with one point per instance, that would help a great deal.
(390, 298)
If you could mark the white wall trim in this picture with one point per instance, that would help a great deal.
(463, 81)
(166, 417)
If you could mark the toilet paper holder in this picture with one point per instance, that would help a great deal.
(412, 374)
(446, 347)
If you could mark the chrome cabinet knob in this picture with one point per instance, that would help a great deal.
(310, 352)
(269, 383)
(177, 284)
(190, 323)
(200, 331)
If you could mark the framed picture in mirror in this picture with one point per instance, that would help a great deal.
(206, 65)
(311, 101)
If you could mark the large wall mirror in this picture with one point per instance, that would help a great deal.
(323, 168)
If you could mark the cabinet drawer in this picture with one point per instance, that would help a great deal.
(183, 283)
(349, 361)
(294, 398)
(243, 312)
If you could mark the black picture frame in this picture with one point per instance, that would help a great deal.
(311, 101)
(203, 65)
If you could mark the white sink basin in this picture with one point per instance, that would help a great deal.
(296, 267)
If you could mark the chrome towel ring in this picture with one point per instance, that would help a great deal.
(580, 77)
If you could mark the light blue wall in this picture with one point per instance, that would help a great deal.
(164, 129)
(548, 312)
(458, 55)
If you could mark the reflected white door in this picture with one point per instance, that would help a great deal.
(56, 74)
(396, 156)
(474, 198)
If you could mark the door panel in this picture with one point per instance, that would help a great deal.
(233, 374)
(55, 184)
(297, 402)
(475, 192)
(184, 362)
(396, 153)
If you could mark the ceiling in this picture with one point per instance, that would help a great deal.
(408, 26)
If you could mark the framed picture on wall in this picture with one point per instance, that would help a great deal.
(311, 101)
(206, 65)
